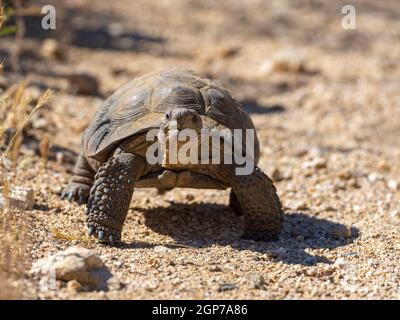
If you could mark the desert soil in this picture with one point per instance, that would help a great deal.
(326, 105)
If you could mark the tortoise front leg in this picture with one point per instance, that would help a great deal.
(111, 195)
(79, 185)
(255, 196)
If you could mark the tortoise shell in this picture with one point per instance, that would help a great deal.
(139, 105)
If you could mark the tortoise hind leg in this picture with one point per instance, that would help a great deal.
(78, 188)
(111, 195)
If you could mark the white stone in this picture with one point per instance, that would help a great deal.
(20, 198)
(374, 176)
(395, 214)
(80, 264)
(161, 249)
(342, 263)
(317, 163)
(393, 184)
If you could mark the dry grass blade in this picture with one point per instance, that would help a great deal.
(14, 248)
(44, 148)
(57, 234)
(42, 100)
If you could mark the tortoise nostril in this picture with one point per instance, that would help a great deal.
(195, 118)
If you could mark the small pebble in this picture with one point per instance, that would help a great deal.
(214, 268)
(226, 287)
(317, 163)
(256, 281)
(341, 263)
(189, 197)
(395, 214)
(74, 285)
(161, 249)
(83, 83)
(374, 176)
(393, 184)
(297, 205)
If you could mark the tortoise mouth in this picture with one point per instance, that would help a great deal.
(179, 146)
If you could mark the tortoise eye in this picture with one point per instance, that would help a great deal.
(195, 118)
(168, 115)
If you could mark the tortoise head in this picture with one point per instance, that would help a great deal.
(181, 118)
(175, 125)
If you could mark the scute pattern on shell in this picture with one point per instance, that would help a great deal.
(138, 105)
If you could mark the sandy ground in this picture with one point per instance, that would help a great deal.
(326, 104)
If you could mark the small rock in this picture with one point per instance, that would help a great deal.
(79, 264)
(51, 49)
(150, 285)
(344, 175)
(284, 61)
(297, 205)
(316, 152)
(393, 184)
(189, 197)
(214, 268)
(161, 249)
(74, 285)
(276, 175)
(328, 207)
(40, 123)
(300, 152)
(83, 83)
(317, 163)
(20, 198)
(374, 176)
(383, 165)
(372, 263)
(227, 52)
(341, 263)
(353, 182)
(256, 281)
(59, 158)
(115, 29)
(340, 185)
(395, 214)
(34, 93)
(114, 284)
(226, 287)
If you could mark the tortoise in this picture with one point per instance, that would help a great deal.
(113, 159)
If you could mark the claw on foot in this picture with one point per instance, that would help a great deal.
(76, 192)
(103, 234)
